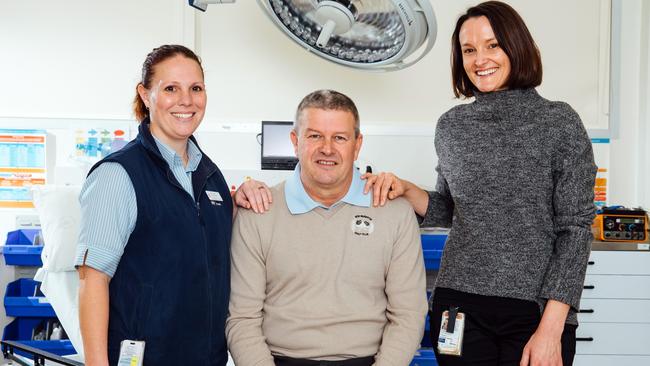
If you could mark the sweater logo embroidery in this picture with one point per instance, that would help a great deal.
(362, 225)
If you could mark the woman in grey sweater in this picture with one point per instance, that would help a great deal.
(515, 184)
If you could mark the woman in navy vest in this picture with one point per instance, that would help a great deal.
(153, 253)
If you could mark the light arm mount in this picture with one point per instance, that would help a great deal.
(203, 4)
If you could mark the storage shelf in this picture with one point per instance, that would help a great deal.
(22, 299)
(21, 330)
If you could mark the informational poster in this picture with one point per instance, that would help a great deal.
(22, 165)
(601, 157)
(98, 142)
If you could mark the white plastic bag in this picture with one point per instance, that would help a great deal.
(62, 291)
(59, 213)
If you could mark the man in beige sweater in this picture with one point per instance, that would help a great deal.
(324, 278)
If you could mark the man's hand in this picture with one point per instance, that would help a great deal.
(384, 186)
(253, 194)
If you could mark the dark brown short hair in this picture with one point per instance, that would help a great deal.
(513, 37)
(327, 99)
(156, 56)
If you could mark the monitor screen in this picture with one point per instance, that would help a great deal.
(277, 149)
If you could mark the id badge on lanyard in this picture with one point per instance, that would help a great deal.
(131, 353)
(452, 327)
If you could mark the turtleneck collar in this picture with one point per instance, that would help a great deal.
(508, 96)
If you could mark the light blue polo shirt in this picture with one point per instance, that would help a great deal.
(299, 201)
(109, 210)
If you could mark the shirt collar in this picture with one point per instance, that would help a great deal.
(172, 158)
(299, 201)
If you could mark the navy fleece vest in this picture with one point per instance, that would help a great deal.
(172, 284)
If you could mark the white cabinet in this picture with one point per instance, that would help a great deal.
(616, 287)
(596, 360)
(619, 262)
(614, 339)
(615, 310)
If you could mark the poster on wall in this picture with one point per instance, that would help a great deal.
(96, 143)
(22, 165)
(601, 158)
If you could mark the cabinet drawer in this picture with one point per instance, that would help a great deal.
(613, 339)
(612, 262)
(614, 311)
(616, 287)
(598, 360)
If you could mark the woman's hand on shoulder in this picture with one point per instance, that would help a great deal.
(384, 185)
(254, 195)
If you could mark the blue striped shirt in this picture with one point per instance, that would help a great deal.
(109, 210)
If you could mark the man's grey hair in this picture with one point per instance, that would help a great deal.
(327, 99)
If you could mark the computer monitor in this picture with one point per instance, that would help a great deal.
(277, 149)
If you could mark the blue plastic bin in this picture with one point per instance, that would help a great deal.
(22, 299)
(23, 248)
(426, 339)
(21, 330)
(24, 237)
(432, 246)
(433, 243)
(22, 255)
(424, 357)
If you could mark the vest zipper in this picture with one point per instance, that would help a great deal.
(207, 263)
(197, 204)
(198, 214)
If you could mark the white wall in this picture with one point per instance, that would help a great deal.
(80, 59)
(630, 156)
(74, 62)
(256, 72)
(73, 59)
(643, 186)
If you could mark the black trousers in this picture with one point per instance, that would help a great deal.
(496, 329)
(287, 361)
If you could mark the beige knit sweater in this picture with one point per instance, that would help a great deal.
(328, 284)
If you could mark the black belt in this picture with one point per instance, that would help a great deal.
(288, 361)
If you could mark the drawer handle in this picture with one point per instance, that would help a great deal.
(591, 263)
(586, 311)
(589, 287)
(585, 339)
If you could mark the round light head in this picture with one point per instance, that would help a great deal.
(365, 34)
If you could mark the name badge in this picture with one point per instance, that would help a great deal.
(214, 197)
(450, 338)
(131, 353)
